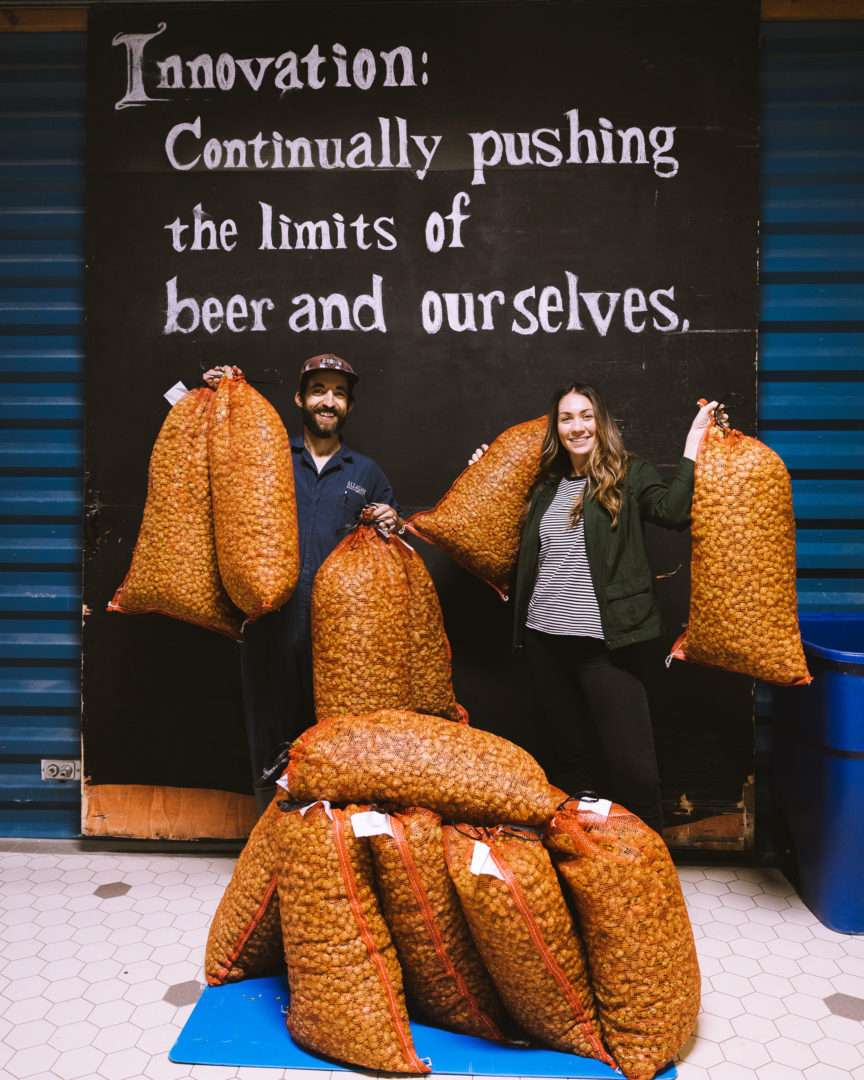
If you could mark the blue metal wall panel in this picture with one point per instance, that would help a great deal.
(818, 501)
(40, 496)
(811, 390)
(834, 401)
(42, 86)
(58, 736)
(812, 354)
(57, 545)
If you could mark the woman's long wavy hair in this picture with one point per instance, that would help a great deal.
(607, 464)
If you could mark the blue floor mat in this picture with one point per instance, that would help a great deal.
(243, 1024)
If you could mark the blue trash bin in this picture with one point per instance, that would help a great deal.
(819, 752)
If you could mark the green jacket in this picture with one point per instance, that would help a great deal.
(617, 557)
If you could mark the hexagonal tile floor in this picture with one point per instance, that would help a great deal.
(101, 965)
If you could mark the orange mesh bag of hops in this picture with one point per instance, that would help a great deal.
(174, 570)
(637, 933)
(347, 1000)
(520, 921)
(431, 657)
(406, 759)
(478, 521)
(743, 603)
(378, 639)
(446, 982)
(245, 938)
(254, 508)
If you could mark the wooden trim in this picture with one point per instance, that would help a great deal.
(146, 812)
(41, 20)
(816, 10)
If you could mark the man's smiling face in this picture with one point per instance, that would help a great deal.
(325, 402)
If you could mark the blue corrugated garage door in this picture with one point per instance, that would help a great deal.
(41, 354)
(811, 379)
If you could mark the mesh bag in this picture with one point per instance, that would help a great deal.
(406, 759)
(479, 519)
(245, 939)
(174, 569)
(743, 601)
(637, 933)
(378, 639)
(445, 980)
(347, 1000)
(511, 897)
(254, 509)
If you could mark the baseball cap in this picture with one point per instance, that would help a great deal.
(328, 362)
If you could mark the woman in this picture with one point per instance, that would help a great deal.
(583, 597)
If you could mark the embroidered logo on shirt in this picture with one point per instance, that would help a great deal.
(351, 486)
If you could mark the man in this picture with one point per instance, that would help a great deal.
(333, 485)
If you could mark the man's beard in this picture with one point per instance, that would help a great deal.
(310, 422)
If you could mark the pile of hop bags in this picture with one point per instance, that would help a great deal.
(413, 866)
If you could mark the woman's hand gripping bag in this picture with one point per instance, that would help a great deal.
(479, 519)
(743, 602)
(378, 638)
(174, 570)
(245, 938)
(446, 982)
(524, 931)
(347, 1000)
(641, 953)
(254, 508)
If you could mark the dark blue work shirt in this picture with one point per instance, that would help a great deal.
(328, 504)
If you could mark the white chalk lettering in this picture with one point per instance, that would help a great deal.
(549, 309)
(206, 235)
(279, 232)
(337, 312)
(547, 147)
(185, 315)
(135, 91)
(393, 145)
(436, 231)
(317, 68)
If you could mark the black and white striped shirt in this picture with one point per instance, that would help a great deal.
(564, 601)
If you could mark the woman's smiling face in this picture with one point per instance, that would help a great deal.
(577, 427)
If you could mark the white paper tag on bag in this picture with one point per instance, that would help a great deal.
(601, 807)
(482, 861)
(371, 823)
(177, 392)
(304, 810)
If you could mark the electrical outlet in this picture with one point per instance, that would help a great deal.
(62, 770)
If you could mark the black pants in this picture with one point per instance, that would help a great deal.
(276, 670)
(595, 729)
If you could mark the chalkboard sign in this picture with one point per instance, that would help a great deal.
(473, 203)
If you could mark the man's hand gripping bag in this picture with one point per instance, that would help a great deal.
(378, 639)
(478, 521)
(254, 508)
(347, 1000)
(641, 953)
(174, 569)
(743, 601)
